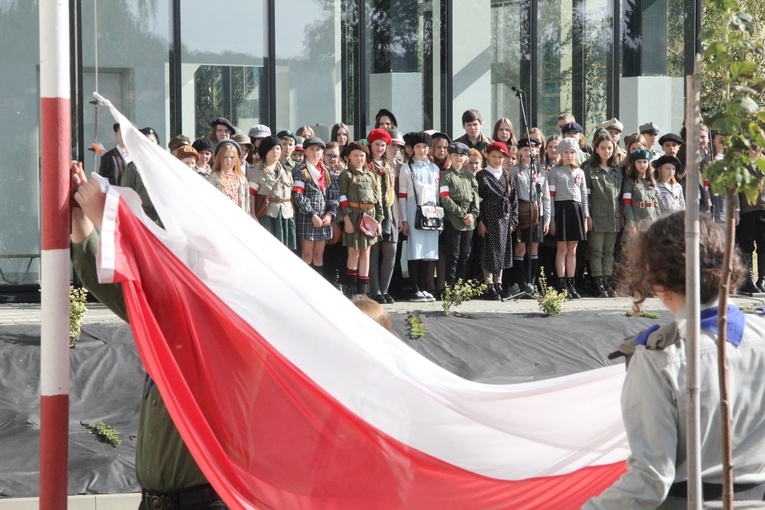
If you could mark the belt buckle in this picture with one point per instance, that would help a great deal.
(155, 502)
(641, 205)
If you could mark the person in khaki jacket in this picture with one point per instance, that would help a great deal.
(604, 191)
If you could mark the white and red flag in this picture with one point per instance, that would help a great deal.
(289, 397)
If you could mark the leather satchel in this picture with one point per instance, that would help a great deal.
(528, 214)
(368, 225)
(429, 217)
(261, 205)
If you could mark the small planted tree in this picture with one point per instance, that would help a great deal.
(732, 46)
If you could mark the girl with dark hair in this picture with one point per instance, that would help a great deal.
(340, 134)
(271, 179)
(654, 402)
(569, 209)
(497, 219)
(533, 195)
(418, 185)
(315, 195)
(385, 119)
(382, 256)
(359, 193)
(640, 198)
(458, 191)
(504, 132)
(604, 190)
(551, 158)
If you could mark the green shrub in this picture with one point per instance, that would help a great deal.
(461, 292)
(550, 300)
(77, 311)
(416, 328)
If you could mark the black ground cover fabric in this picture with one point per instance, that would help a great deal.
(107, 380)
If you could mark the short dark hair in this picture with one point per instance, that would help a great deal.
(471, 115)
(116, 127)
(656, 257)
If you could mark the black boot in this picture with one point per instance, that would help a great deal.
(349, 284)
(363, 287)
(561, 285)
(601, 288)
(609, 283)
(572, 289)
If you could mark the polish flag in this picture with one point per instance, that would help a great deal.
(289, 397)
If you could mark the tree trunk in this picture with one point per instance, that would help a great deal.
(722, 359)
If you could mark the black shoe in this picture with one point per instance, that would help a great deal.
(749, 287)
(760, 284)
(491, 293)
(609, 283)
(388, 299)
(601, 288)
(363, 288)
(379, 298)
(571, 288)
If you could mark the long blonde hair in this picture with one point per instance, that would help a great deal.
(219, 161)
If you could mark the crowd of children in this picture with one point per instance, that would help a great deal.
(364, 212)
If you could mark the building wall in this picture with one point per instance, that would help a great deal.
(494, 44)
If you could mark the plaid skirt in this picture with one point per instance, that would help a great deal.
(306, 230)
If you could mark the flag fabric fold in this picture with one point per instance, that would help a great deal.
(289, 397)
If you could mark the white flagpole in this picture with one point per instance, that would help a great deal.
(693, 285)
(55, 131)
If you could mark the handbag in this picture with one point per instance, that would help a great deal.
(528, 214)
(427, 216)
(261, 205)
(367, 225)
(262, 201)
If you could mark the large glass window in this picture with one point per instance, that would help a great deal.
(223, 69)
(309, 85)
(510, 52)
(128, 65)
(556, 62)
(19, 174)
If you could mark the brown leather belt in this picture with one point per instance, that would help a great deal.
(181, 499)
(365, 207)
(280, 200)
(643, 205)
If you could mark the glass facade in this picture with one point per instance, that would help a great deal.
(171, 65)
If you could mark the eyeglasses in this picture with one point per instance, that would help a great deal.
(331, 156)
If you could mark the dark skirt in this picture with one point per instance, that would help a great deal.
(536, 233)
(281, 228)
(569, 221)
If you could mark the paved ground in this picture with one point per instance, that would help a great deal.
(19, 313)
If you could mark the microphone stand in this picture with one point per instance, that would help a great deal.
(533, 170)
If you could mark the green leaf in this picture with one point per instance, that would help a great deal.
(743, 68)
(749, 106)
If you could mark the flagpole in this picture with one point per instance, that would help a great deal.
(693, 288)
(55, 132)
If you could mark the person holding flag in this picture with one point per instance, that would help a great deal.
(165, 469)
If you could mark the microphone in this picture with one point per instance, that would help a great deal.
(516, 89)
